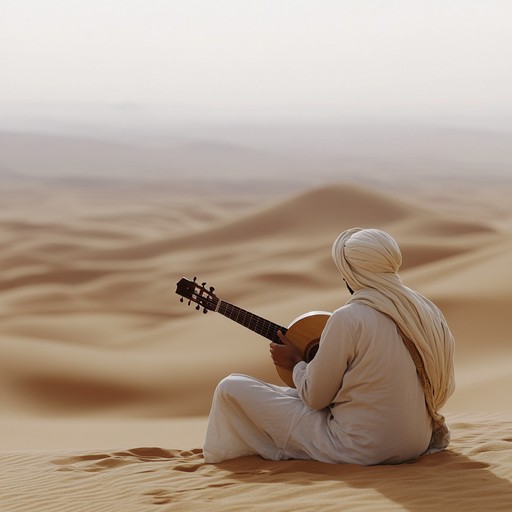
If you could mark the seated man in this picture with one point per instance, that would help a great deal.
(372, 393)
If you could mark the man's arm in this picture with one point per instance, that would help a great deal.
(319, 382)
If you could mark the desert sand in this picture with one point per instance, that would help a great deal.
(106, 378)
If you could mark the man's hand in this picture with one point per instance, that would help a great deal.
(285, 355)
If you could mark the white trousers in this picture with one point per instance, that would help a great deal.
(249, 416)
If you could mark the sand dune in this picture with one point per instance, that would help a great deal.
(96, 348)
(474, 475)
(87, 291)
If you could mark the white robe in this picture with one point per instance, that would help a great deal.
(358, 401)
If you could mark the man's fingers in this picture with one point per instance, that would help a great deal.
(282, 337)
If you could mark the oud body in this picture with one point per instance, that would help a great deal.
(304, 333)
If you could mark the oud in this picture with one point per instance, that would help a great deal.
(304, 332)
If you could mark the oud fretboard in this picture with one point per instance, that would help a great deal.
(253, 322)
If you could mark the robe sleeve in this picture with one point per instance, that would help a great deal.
(319, 381)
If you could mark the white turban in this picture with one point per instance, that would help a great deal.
(368, 260)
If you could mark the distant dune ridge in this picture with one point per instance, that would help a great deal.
(97, 354)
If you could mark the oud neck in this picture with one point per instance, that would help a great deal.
(253, 322)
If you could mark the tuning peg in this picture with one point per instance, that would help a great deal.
(181, 299)
(212, 289)
(203, 284)
(198, 307)
(205, 311)
(189, 302)
(195, 279)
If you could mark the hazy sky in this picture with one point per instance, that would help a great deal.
(355, 56)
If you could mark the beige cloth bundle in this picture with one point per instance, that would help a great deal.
(368, 260)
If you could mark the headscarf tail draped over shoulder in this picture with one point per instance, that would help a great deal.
(368, 260)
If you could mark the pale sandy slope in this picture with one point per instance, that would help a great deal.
(96, 351)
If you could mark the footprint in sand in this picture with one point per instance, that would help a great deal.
(93, 462)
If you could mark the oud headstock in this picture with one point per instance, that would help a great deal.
(197, 293)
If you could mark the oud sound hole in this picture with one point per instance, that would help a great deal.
(311, 350)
